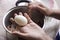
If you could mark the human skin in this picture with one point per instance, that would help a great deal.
(46, 11)
(31, 31)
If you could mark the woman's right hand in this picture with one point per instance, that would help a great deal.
(40, 7)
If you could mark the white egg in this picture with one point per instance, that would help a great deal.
(21, 20)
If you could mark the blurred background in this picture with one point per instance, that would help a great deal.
(58, 2)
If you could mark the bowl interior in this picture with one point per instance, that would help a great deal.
(37, 17)
(12, 12)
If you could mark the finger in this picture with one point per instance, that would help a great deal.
(15, 14)
(28, 18)
(9, 28)
(18, 27)
(41, 5)
(41, 8)
(20, 13)
(19, 33)
(12, 28)
(35, 6)
(12, 20)
(31, 6)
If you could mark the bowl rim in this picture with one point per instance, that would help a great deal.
(4, 20)
(10, 10)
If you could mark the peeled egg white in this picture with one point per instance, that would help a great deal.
(20, 20)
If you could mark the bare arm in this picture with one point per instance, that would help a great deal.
(55, 14)
(46, 11)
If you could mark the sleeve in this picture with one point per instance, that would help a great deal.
(58, 34)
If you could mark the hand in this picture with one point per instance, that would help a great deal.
(40, 7)
(31, 31)
(44, 10)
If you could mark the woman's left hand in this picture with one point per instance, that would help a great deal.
(31, 31)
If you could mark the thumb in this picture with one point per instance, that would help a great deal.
(19, 33)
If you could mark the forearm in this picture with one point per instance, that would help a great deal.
(55, 14)
(46, 37)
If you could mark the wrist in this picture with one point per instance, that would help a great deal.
(46, 37)
(50, 12)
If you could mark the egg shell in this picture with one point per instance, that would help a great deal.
(20, 20)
